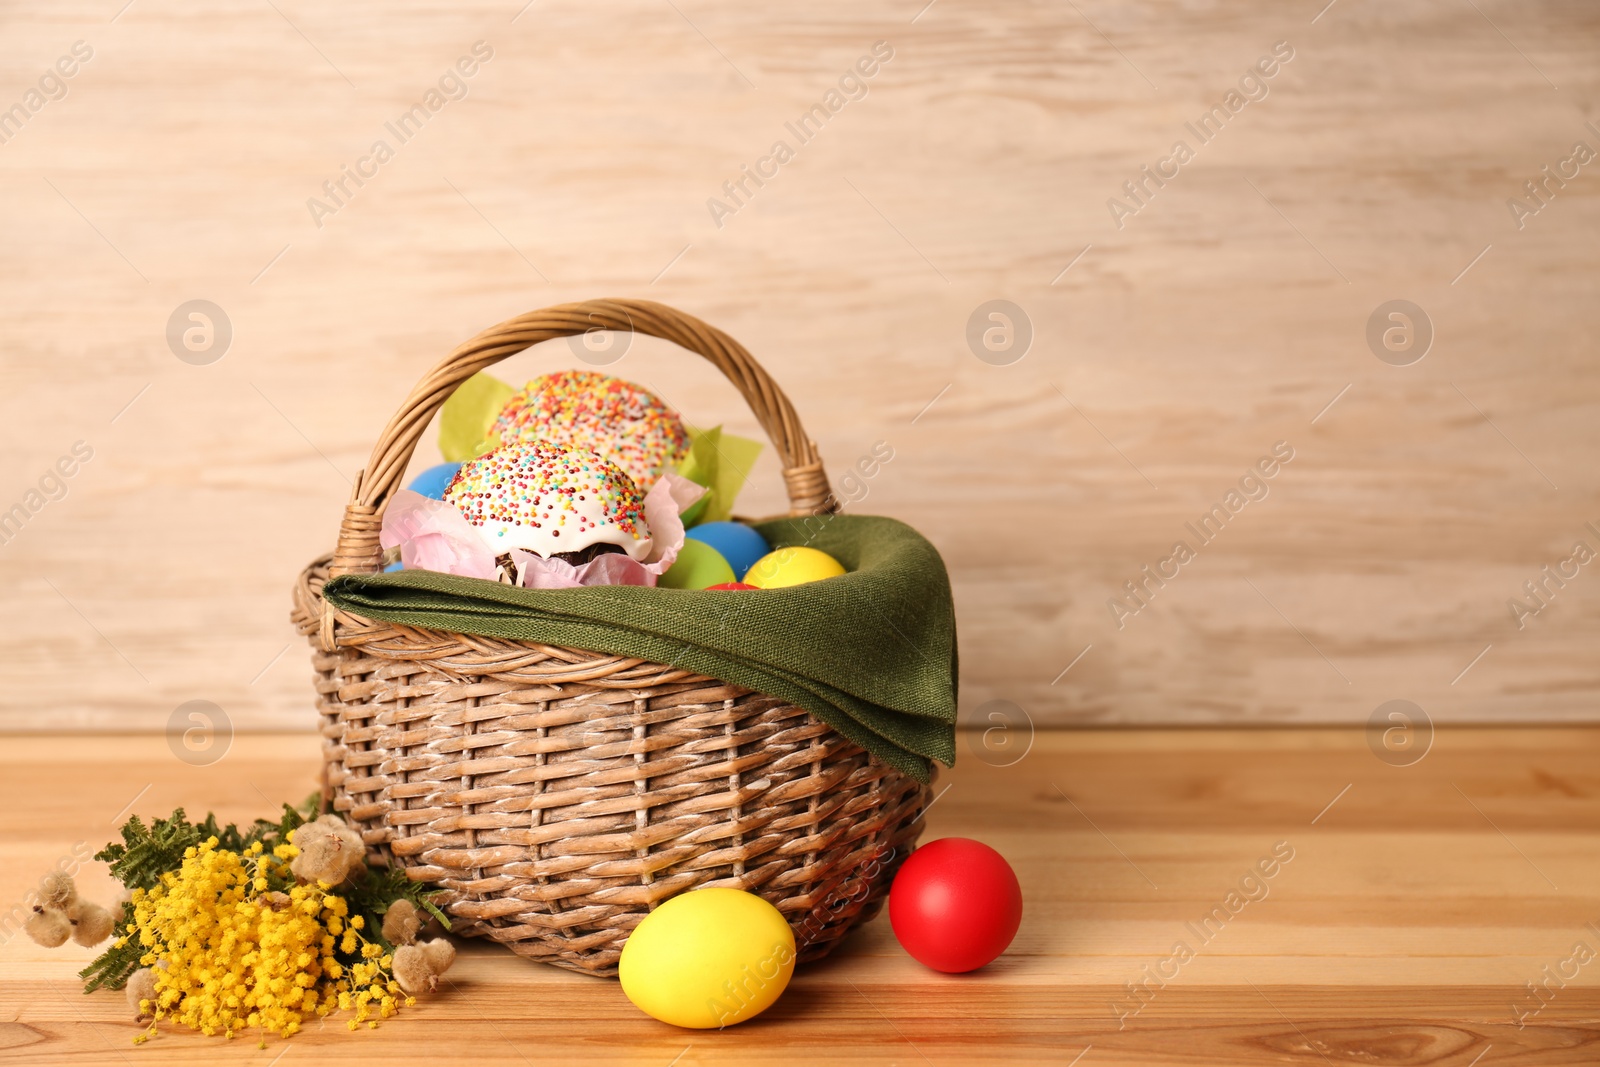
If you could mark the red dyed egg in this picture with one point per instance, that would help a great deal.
(731, 585)
(955, 904)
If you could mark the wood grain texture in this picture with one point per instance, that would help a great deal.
(1416, 906)
(1226, 315)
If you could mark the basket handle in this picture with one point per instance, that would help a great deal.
(358, 551)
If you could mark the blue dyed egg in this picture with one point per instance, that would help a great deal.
(432, 481)
(737, 543)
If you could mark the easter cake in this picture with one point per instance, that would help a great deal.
(623, 422)
(551, 500)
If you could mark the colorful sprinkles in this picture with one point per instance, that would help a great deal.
(548, 498)
(628, 425)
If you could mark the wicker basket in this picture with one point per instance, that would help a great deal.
(556, 795)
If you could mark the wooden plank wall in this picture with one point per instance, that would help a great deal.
(1174, 341)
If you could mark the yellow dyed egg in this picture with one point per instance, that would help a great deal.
(708, 958)
(792, 566)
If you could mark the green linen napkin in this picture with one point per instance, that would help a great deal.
(872, 653)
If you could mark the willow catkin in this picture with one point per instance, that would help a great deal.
(413, 971)
(439, 953)
(91, 924)
(48, 927)
(400, 923)
(142, 992)
(329, 850)
(57, 890)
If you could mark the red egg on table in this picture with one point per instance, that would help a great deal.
(731, 585)
(955, 905)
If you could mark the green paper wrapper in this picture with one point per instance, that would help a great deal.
(468, 416)
(721, 462)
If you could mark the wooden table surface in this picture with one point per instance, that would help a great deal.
(1169, 353)
(1410, 910)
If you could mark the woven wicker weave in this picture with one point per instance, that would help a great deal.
(556, 794)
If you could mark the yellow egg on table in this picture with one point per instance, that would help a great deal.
(792, 566)
(708, 958)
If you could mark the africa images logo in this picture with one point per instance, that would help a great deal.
(1252, 87)
(452, 85)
